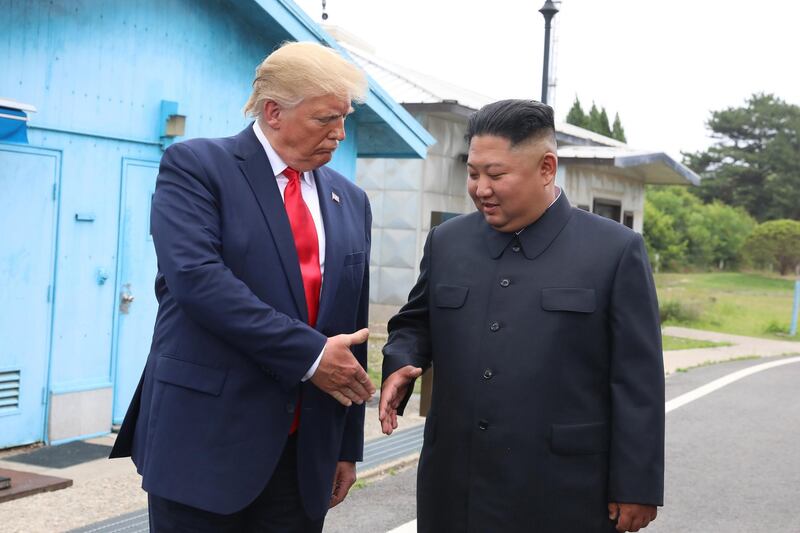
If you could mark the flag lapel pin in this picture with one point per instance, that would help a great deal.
(335, 197)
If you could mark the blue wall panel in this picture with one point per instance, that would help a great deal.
(97, 73)
(90, 178)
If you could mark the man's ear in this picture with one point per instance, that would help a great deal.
(549, 168)
(271, 114)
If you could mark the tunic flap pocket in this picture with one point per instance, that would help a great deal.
(190, 375)
(579, 439)
(569, 299)
(354, 259)
(450, 296)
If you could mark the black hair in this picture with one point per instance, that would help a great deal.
(515, 120)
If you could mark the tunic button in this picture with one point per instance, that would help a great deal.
(483, 424)
(505, 282)
(487, 374)
(495, 326)
(515, 248)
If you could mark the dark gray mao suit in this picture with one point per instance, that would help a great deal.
(548, 393)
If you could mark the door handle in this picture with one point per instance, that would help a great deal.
(125, 299)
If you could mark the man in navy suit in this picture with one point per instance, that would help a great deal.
(541, 323)
(249, 414)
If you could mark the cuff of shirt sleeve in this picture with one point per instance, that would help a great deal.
(313, 367)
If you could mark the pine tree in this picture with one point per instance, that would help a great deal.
(596, 120)
(755, 160)
(593, 122)
(576, 116)
(617, 131)
(603, 127)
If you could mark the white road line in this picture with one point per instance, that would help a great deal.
(680, 401)
(708, 388)
(409, 527)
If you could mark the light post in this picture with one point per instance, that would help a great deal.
(548, 11)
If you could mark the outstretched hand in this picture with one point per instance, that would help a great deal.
(393, 391)
(340, 374)
(631, 516)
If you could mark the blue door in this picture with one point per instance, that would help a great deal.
(27, 245)
(136, 304)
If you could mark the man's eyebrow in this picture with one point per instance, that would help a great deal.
(333, 115)
(487, 165)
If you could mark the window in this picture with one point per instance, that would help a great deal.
(627, 219)
(607, 208)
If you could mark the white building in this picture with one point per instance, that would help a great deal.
(599, 174)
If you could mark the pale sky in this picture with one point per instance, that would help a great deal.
(663, 65)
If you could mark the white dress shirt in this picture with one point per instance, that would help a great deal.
(308, 188)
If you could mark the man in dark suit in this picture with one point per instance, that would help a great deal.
(249, 415)
(541, 323)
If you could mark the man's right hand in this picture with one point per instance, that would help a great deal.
(340, 374)
(392, 393)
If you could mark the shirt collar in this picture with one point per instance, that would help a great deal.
(275, 161)
(539, 234)
(558, 195)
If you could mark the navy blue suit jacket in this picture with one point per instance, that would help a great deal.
(212, 412)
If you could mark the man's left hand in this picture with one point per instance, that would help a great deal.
(631, 516)
(342, 481)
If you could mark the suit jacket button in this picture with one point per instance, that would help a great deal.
(495, 326)
(487, 374)
(505, 282)
(483, 424)
(290, 408)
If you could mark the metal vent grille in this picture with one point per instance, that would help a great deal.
(9, 390)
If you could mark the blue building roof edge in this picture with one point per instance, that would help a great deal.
(300, 26)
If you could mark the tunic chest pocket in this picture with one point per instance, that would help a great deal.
(576, 300)
(450, 296)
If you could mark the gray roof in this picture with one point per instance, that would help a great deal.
(418, 92)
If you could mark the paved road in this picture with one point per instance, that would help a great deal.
(732, 461)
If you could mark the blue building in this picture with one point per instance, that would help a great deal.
(90, 95)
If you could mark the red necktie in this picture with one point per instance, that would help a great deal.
(307, 244)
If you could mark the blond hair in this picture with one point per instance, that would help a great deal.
(299, 70)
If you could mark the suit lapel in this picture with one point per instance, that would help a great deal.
(332, 219)
(258, 172)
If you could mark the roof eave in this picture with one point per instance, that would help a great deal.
(412, 139)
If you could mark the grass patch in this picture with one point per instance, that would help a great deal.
(680, 343)
(359, 484)
(375, 358)
(375, 362)
(739, 303)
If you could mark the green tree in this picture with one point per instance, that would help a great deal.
(702, 236)
(728, 228)
(775, 243)
(755, 161)
(602, 126)
(593, 119)
(617, 131)
(665, 246)
(576, 116)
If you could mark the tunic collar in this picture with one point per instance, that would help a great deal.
(535, 238)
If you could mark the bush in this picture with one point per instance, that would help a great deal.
(776, 327)
(677, 312)
(681, 231)
(774, 243)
